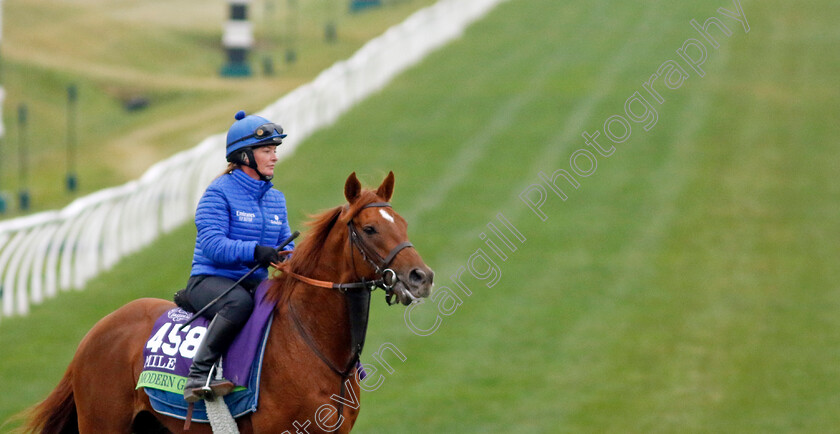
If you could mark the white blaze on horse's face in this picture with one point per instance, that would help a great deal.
(386, 216)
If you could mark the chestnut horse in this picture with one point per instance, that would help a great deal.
(310, 355)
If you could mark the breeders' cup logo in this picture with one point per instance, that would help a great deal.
(178, 315)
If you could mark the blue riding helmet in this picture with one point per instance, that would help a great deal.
(252, 131)
(248, 133)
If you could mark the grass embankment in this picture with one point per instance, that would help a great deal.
(168, 53)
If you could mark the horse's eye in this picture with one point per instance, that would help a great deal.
(370, 230)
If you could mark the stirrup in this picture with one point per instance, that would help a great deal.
(218, 386)
(213, 387)
(197, 394)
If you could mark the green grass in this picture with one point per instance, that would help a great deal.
(688, 285)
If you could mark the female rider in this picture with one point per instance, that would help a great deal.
(240, 220)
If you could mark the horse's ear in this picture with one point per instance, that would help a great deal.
(352, 188)
(387, 188)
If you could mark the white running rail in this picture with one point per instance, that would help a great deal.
(45, 253)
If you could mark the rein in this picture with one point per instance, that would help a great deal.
(357, 296)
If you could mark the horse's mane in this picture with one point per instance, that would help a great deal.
(307, 255)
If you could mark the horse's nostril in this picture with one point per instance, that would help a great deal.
(417, 276)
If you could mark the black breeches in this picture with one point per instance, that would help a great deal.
(236, 306)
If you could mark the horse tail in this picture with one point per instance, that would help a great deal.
(57, 413)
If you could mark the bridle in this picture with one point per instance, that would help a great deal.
(385, 277)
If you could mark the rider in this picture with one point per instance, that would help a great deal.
(240, 221)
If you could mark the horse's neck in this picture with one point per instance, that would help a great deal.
(323, 315)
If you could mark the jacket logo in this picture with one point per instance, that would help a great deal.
(245, 216)
(276, 220)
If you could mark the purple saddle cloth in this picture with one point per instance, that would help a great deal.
(169, 351)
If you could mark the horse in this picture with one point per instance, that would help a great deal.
(312, 348)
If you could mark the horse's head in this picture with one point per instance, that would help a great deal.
(379, 246)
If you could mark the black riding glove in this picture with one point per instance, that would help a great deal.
(265, 255)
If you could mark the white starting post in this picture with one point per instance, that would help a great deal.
(238, 39)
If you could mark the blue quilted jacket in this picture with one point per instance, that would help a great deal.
(236, 214)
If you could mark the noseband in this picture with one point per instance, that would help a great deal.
(386, 278)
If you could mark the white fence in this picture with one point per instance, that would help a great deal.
(49, 252)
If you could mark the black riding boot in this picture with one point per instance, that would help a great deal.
(218, 337)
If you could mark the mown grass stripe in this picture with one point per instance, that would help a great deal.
(558, 146)
(474, 149)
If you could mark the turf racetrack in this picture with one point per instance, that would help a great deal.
(689, 283)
